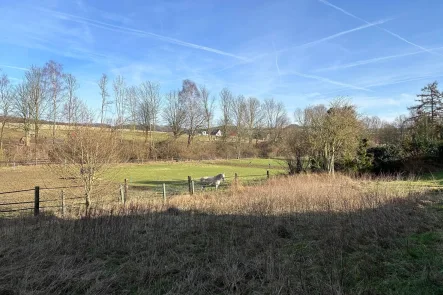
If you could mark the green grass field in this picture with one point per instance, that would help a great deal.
(175, 175)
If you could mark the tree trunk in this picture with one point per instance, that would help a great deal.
(1, 134)
(152, 138)
(36, 141)
(54, 119)
(331, 167)
(299, 166)
(87, 202)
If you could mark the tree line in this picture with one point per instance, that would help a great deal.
(49, 93)
(323, 138)
(338, 137)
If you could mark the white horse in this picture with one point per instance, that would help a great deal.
(216, 180)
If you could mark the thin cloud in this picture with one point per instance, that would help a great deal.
(400, 81)
(372, 60)
(331, 37)
(383, 29)
(322, 79)
(127, 30)
(276, 59)
(14, 67)
(366, 61)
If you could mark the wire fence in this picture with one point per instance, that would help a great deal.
(53, 197)
(62, 198)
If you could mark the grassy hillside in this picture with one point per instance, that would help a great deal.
(300, 235)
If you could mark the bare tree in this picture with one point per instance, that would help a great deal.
(133, 104)
(103, 85)
(297, 143)
(120, 100)
(174, 113)
(37, 88)
(275, 117)
(333, 132)
(149, 93)
(70, 101)
(190, 96)
(53, 74)
(238, 115)
(6, 103)
(144, 117)
(22, 108)
(208, 108)
(81, 114)
(226, 98)
(253, 118)
(87, 154)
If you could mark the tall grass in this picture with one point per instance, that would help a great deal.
(310, 234)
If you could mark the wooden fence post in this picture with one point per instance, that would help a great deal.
(36, 200)
(63, 202)
(235, 178)
(267, 174)
(189, 185)
(192, 187)
(122, 194)
(164, 193)
(126, 189)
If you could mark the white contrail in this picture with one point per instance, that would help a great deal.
(328, 81)
(122, 29)
(372, 60)
(366, 61)
(276, 59)
(383, 29)
(338, 34)
(302, 45)
(399, 81)
(14, 67)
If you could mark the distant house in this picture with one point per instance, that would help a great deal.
(216, 133)
(204, 133)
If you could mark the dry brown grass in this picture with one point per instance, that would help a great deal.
(301, 235)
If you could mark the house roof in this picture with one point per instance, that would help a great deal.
(214, 132)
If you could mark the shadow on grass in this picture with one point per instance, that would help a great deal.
(391, 249)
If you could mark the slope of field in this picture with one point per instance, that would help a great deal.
(298, 235)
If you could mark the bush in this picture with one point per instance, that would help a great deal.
(387, 159)
(169, 148)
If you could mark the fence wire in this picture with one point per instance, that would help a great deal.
(51, 197)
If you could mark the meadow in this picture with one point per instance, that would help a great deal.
(145, 180)
(308, 234)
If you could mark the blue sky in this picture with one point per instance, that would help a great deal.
(379, 53)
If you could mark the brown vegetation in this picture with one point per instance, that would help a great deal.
(308, 234)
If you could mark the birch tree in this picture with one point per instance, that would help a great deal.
(150, 104)
(22, 108)
(104, 94)
(238, 115)
(37, 87)
(70, 98)
(276, 118)
(174, 114)
(208, 108)
(6, 103)
(253, 118)
(226, 98)
(120, 100)
(53, 72)
(190, 96)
